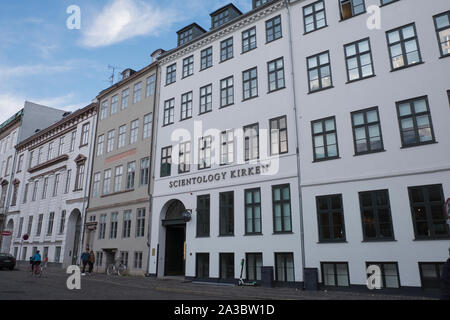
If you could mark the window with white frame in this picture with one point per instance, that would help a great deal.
(122, 136)
(205, 153)
(68, 178)
(61, 146)
(118, 179)
(134, 131)
(100, 145)
(114, 104)
(125, 98)
(150, 86)
(137, 92)
(131, 173)
(140, 223)
(85, 134)
(96, 185)
(110, 142)
(148, 125)
(184, 157)
(251, 142)
(144, 175)
(56, 185)
(107, 181)
(104, 110)
(227, 147)
(73, 138)
(50, 151)
(126, 231)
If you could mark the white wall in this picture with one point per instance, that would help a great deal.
(395, 169)
(261, 109)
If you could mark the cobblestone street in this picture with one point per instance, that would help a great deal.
(20, 285)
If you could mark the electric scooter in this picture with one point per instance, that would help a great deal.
(242, 282)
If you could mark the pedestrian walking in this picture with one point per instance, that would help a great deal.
(445, 280)
(84, 261)
(91, 262)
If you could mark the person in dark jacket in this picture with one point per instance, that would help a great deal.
(85, 260)
(91, 262)
(445, 280)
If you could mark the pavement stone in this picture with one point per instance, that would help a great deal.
(21, 285)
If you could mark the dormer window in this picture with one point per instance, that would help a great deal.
(189, 33)
(259, 3)
(224, 15)
(221, 18)
(184, 37)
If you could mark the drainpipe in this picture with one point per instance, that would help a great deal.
(152, 167)
(87, 183)
(291, 54)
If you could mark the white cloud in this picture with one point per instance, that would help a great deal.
(30, 70)
(9, 105)
(125, 19)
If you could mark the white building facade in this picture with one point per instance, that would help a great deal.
(369, 90)
(17, 128)
(51, 189)
(374, 138)
(226, 185)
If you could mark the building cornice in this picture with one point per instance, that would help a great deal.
(49, 163)
(66, 124)
(221, 31)
(48, 173)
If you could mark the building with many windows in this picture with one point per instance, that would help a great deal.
(16, 129)
(119, 207)
(226, 185)
(373, 131)
(51, 188)
(364, 101)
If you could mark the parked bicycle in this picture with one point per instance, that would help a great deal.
(116, 268)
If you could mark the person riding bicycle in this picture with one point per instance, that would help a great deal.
(36, 260)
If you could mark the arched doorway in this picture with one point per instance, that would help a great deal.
(6, 242)
(175, 246)
(73, 237)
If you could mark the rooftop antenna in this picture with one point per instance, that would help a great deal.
(113, 74)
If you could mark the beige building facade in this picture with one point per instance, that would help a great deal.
(118, 216)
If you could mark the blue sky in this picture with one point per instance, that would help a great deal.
(42, 61)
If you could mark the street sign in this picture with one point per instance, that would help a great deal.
(6, 233)
(25, 237)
